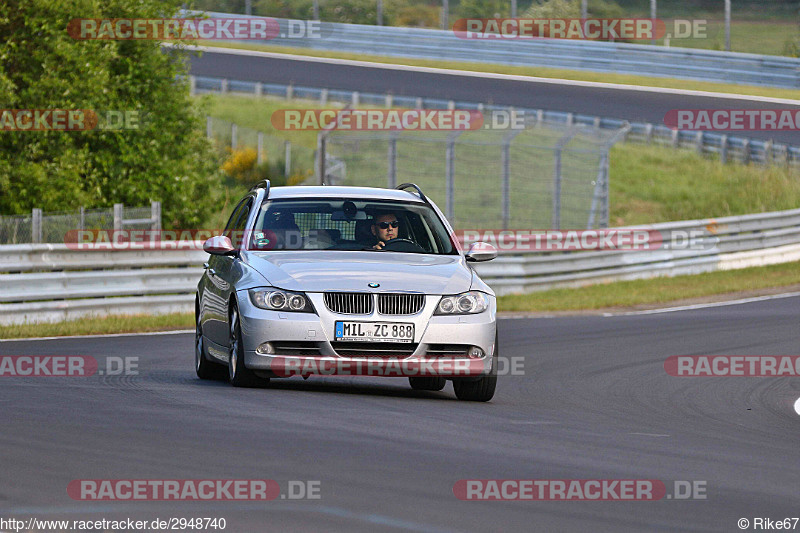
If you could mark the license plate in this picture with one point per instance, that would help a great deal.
(374, 331)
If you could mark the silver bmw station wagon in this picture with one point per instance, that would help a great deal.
(339, 280)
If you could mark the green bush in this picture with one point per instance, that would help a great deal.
(42, 67)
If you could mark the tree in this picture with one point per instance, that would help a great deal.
(42, 67)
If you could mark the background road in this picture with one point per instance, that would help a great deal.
(594, 402)
(632, 105)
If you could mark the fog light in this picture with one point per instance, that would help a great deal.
(475, 352)
(265, 349)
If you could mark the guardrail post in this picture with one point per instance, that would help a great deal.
(155, 215)
(746, 151)
(192, 85)
(699, 142)
(389, 100)
(418, 104)
(323, 97)
(648, 133)
(768, 152)
(675, 137)
(355, 99)
(570, 119)
(223, 86)
(596, 123)
(260, 157)
(259, 89)
(289, 91)
(539, 116)
(723, 149)
(451, 105)
(445, 15)
(392, 162)
(287, 159)
(234, 135)
(118, 217)
(209, 134)
(36, 226)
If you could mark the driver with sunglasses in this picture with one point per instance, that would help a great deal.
(385, 228)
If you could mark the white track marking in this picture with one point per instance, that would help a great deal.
(703, 306)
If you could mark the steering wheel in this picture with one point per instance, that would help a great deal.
(402, 245)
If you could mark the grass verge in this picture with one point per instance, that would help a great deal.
(622, 294)
(541, 72)
(655, 291)
(100, 326)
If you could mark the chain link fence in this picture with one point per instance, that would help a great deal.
(541, 176)
(52, 227)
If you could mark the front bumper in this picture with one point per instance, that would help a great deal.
(316, 353)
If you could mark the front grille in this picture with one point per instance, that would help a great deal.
(374, 349)
(295, 348)
(447, 350)
(400, 304)
(349, 303)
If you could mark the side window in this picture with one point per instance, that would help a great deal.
(237, 234)
(234, 217)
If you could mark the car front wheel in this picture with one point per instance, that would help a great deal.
(238, 374)
(479, 390)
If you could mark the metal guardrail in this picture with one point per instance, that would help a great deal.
(596, 56)
(51, 282)
(727, 148)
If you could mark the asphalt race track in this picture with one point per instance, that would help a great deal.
(594, 403)
(632, 105)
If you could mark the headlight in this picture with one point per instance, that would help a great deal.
(466, 303)
(280, 300)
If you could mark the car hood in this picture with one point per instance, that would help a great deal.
(316, 271)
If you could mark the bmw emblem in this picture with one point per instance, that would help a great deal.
(374, 285)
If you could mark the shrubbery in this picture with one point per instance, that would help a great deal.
(167, 159)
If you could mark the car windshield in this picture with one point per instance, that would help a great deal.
(343, 224)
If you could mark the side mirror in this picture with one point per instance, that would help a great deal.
(219, 245)
(481, 251)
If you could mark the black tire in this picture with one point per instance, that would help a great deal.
(204, 368)
(434, 383)
(479, 390)
(238, 374)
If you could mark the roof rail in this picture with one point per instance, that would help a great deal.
(263, 184)
(416, 188)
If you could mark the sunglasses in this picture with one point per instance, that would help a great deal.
(385, 225)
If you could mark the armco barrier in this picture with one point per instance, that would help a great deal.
(624, 58)
(50, 282)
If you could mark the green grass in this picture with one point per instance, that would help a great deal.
(654, 291)
(752, 37)
(660, 184)
(542, 72)
(660, 291)
(100, 325)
